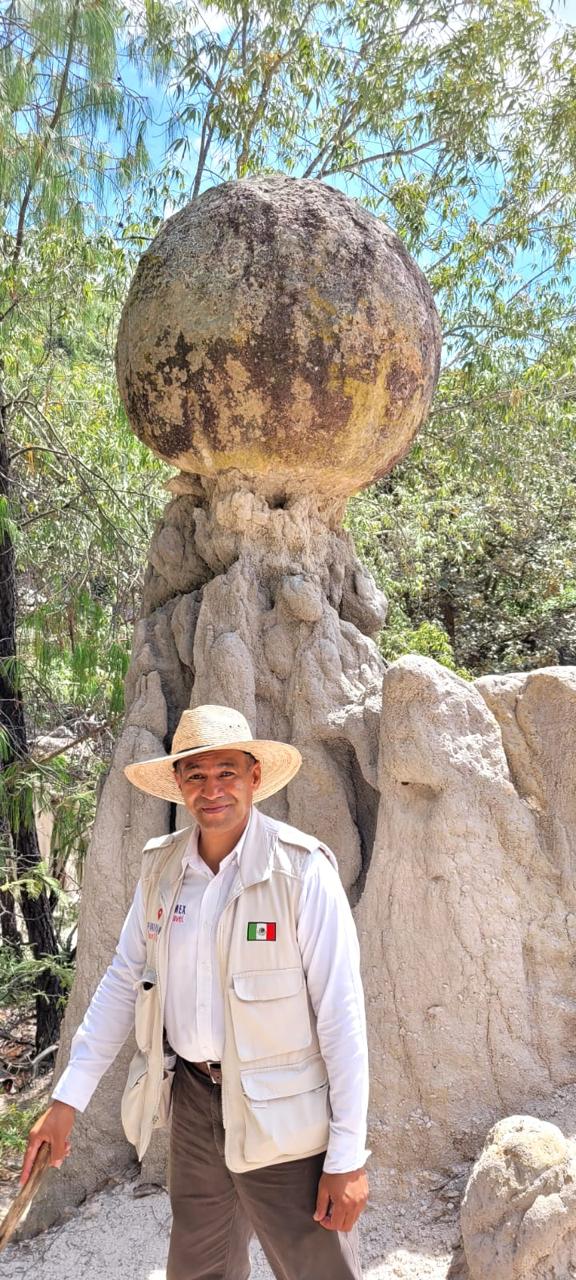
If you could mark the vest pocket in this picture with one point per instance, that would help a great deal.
(270, 1013)
(287, 1110)
(145, 1010)
(164, 1107)
(135, 1099)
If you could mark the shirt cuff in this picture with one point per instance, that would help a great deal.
(75, 1088)
(345, 1159)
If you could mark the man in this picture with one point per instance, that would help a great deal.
(239, 956)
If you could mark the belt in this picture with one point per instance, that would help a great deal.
(211, 1069)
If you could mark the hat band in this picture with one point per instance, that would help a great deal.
(203, 747)
(187, 750)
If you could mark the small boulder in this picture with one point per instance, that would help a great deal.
(519, 1209)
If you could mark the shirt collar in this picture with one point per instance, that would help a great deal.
(191, 857)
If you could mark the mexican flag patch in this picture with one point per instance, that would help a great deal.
(261, 932)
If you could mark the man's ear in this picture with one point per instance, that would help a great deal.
(256, 773)
(176, 772)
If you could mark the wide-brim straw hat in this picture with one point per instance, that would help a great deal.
(211, 728)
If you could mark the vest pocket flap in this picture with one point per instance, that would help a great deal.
(138, 1068)
(268, 984)
(284, 1082)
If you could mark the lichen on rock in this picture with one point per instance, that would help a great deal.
(276, 328)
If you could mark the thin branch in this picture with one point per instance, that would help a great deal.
(207, 126)
(273, 69)
(43, 148)
(9, 309)
(396, 153)
(75, 742)
(78, 463)
(257, 114)
(43, 515)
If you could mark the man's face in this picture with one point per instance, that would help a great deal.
(217, 787)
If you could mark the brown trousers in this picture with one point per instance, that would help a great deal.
(216, 1212)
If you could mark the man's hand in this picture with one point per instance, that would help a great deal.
(53, 1127)
(341, 1199)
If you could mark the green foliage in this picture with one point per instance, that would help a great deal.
(454, 123)
(19, 977)
(428, 639)
(82, 494)
(35, 882)
(15, 1128)
(475, 531)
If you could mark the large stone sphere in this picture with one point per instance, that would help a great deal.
(276, 327)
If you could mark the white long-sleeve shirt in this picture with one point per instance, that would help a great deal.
(194, 1007)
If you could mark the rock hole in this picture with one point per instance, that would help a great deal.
(422, 790)
(363, 801)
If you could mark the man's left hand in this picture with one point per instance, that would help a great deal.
(341, 1199)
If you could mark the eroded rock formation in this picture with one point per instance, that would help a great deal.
(279, 346)
(519, 1211)
(467, 922)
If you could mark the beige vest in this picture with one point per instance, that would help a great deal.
(275, 1085)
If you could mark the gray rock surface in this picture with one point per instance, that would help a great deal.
(466, 922)
(519, 1211)
(277, 327)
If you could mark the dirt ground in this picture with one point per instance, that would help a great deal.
(410, 1230)
(123, 1234)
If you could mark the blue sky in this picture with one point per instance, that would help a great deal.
(562, 11)
(526, 263)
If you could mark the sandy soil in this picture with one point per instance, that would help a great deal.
(123, 1235)
(410, 1230)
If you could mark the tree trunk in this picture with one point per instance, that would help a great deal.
(8, 924)
(9, 931)
(35, 911)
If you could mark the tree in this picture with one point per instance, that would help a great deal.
(456, 124)
(452, 122)
(60, 96)
(473, 536)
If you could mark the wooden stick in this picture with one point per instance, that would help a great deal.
(21, 1204)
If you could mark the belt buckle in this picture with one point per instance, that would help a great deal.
(215, 1072)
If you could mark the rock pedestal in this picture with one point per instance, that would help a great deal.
(280, 347)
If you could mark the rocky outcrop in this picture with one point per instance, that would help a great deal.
(281, 348)
(467, 924)
(519, 1211)
(276, 327)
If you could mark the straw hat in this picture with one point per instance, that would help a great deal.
(211, 728)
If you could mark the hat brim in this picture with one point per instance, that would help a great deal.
(280, 763)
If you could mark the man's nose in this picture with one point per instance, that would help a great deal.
(212, 787)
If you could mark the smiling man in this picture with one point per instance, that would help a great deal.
(239, 964)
